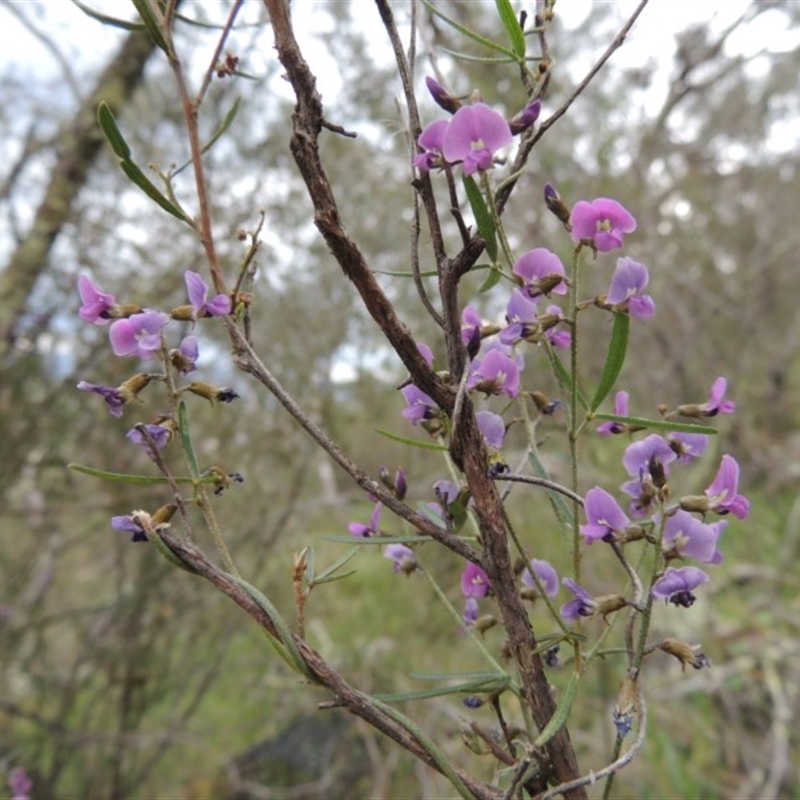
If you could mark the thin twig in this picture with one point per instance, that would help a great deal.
(536, 481)
(235, 8)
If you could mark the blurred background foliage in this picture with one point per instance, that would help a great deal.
(120, 678)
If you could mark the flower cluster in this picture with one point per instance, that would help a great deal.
(141, 333)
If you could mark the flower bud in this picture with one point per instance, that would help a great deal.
(485, 622)
(129, 390)
(441, 96)
(526, 117)
(686, 653)
(211, 393)
(695, 503)
(607, 604)
(556, 205)
(625, 707)
(183, 313)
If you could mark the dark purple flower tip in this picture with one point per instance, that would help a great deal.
(474, 581)
(677, 585)
(551, 656)
(96, 303)
(492, 428)
(604, 515)
(400, 484)
(138, 335)
(526, 117)
(546, 574)
(441, 96)
(687, 446)
(603, 221)
(621, 410)
(474, 135)
(115, 400)
(627, 285)
(473, 701)
(470, 323)
(556, 205)
(227, 395)
(402, 556)
(642, 455)
(623, 722)
(723, 492)
(127, 524)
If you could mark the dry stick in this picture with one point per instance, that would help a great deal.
(355, 701)
(247, 360)
(217, 52)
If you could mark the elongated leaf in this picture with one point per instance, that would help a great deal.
(110, 128)
(557, 500)
(561, 713)
(479, 59)
(464, 677)
(511, 24)
(227, 121)
(658, 424)
(147, 186)
(151, 23)
(337, 565)
(476, 37)
(413, 442)
(428, 274)
(563, 377)
(483, 217)
(122, 477)
(492, 279)
(112, 21)
(615, 358)
(186, 440)
(461, 688)
(340, 576)
(379, 539)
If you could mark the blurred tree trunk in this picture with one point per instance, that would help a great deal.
(78, 147)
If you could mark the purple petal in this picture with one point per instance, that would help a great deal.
(474, 581)
(196, 289)
(545, 573)
(96, 303)
(538, 264)
(677, 581)
(432, 137)
(629, 278)
(492, 428)
(475, 127)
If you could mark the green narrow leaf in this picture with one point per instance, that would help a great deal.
(151, 23)
(614, 359)
(476, 37)
(560, 714)
(113, 21)
(413, 442)
(462, 688)
(557, 500)
(658, 424)
(464, 677)
(337, 565)
(562, 376)
(428, 274)
(479, 59)
(492, 279)
(146, 185)
(186, 440)
(483, 217)
(110, 128)
(221, 128)
(511, 24)
(121, 477)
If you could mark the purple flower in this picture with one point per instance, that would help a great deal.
(542, 272)
(495, 373)
(402, 556)
(441, 96)
(474, 135)
(603, 221)
(362, 531)
(604, 515)
(184, 357)
(621, 410)
(521, 316)
(96, 303)
(526, 117)
(723, 492)
(114, 398)
(555, 335)
(492, 428)
(687, 446)
(19, 783)
(160, 434)
(677, 585)
(474, 581)
(470, 612)
(582, 606)
(547, 576)
(139, 335)
(420, 406)
(715, 403)
(470, 326)
(431, 140)
(685, 535)
(627, 284)
(197, 289)
(644, 454)
(127, 524)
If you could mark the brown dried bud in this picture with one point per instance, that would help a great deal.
(685, 653)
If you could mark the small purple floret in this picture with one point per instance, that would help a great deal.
(546, 574)
(474, 581)
(474, 135)
(723, 492)
(113, 397)
(96, 303)
(627, 286)
(197, 289)
(677, 585)
(139, 335)
(604, 515)
(603, 221)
